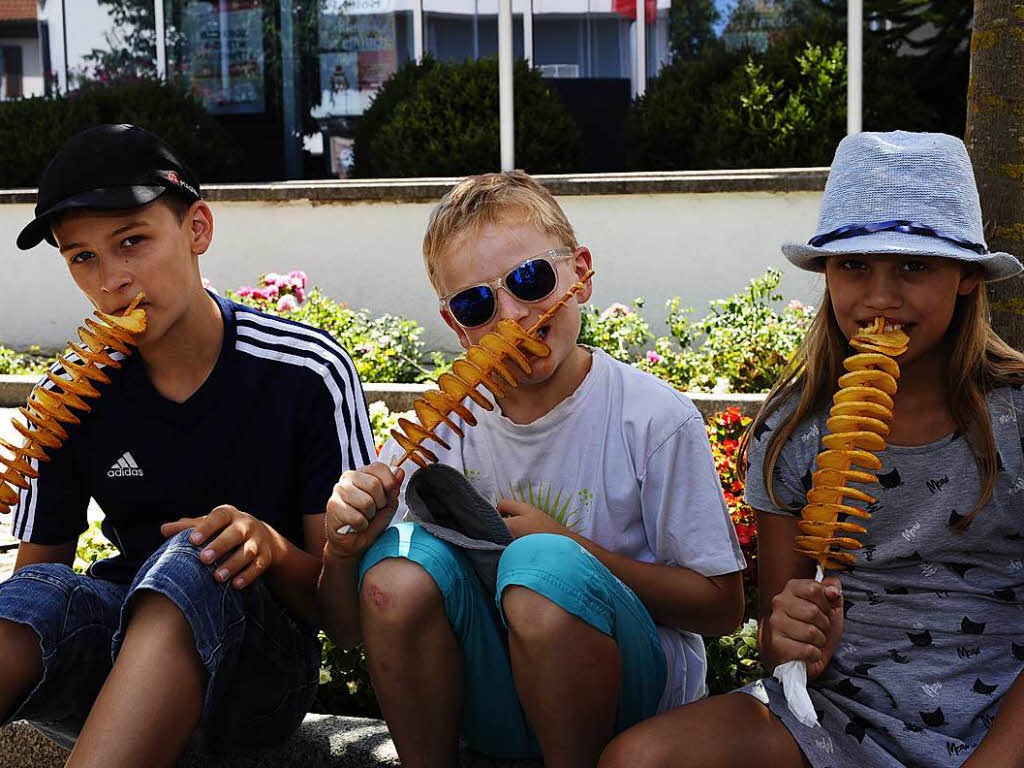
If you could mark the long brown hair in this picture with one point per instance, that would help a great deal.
(979, 361)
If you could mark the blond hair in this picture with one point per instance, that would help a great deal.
(491, 198)
(979, 361)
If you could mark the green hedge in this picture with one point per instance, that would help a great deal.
(32, 130)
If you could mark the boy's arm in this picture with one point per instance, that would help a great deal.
(31, 554)
(246, 548)
(1004, 743)
(696, 585)
(366, 502)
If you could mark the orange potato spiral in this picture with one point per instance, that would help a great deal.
(484, 364)
(48, 408)
(858, 425)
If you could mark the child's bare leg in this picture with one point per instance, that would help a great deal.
(720, 732)
(21, 664)
(414, 661)
(567, 675)
(153, 697)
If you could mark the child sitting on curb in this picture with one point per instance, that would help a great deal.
(601, 601)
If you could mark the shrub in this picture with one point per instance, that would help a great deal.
(92, 546)
(32, 362)
(725, 429)
(383, 348)
(619, 330)
(32, 130)
(742, 345)
(746, 341)
(733, 659)
(441, 119)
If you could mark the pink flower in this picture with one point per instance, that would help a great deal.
(653, 357)
(245, 292)
(287, 303)
(300, 294)
(297, 274)
(615, 310)
(272, 278)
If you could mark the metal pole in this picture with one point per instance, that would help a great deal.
(225, 49)
(476, 30)
(641, 47)
(64, 32)
(854, 65)
(417, 30)
(292, 158)
(505, 69)
(161, 39)
(528, 33)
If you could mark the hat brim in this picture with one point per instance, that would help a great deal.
(995, 266)
(112, 199)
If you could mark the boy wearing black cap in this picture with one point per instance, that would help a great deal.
(235, 426)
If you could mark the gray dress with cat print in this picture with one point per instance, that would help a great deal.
(934, 617)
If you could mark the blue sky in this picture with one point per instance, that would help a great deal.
(723, 7)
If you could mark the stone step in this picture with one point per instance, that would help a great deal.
(322, 741)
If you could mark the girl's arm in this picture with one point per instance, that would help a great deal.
(1004, 744)
(799, 618)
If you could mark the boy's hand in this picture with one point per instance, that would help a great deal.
(365, 500)
(242, 546)
(523, 519)
(807, 622)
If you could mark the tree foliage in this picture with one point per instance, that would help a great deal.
(691, 28)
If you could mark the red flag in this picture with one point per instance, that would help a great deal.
(627, 8)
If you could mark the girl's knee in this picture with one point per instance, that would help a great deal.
(631, 750)
(399, 592)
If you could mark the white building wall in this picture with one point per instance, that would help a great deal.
(31, 65)
(697, 246)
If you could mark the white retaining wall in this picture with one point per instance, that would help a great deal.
(657, 244)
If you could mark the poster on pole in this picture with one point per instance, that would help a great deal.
(224, 57)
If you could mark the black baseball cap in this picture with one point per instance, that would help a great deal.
(109, 167)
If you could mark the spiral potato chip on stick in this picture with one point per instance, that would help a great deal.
(483, 365)
(474, 369)
(858, 426)
(47, 409)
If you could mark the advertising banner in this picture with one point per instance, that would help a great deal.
(224, 58)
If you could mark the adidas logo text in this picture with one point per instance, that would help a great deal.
(126, 466)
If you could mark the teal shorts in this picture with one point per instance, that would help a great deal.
(556, 567)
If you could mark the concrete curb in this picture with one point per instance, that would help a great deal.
(398, 397)
(322, 741)
(430, 189)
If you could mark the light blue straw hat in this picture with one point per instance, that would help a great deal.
(901, 193)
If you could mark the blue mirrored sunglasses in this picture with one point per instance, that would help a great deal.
(530, 281)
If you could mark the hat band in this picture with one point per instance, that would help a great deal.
(897, 225)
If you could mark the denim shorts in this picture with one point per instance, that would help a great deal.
(262, 665)
(556, 567)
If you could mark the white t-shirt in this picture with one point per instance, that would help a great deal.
(626, 458)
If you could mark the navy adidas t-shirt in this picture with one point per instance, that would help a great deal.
(280, 417)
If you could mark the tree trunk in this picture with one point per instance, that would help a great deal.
(995, 141)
